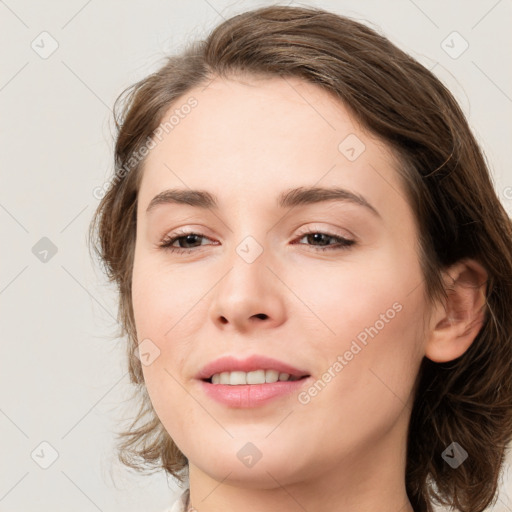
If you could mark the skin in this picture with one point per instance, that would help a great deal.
(247, 141)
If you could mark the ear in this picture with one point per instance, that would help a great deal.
(455, 324)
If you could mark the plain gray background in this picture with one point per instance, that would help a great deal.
(63, 374)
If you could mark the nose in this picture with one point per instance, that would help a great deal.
(249, 296)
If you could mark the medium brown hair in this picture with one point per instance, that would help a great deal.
(448, 185)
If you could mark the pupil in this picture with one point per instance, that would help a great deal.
(188, 238)
(318, 237)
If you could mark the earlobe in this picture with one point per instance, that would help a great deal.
(456, 323)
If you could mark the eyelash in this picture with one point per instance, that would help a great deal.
(343, 243)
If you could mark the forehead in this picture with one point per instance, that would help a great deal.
(248, 137)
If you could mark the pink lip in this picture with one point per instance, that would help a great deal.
(249, 395)
(252, 363)
(245, 396)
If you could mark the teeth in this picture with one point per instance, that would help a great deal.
(256, 377)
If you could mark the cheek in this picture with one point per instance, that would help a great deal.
(162, 297)
(154, 314)
(370, 317)
(150, 306)
(366, 372)
(167, 312)
(345, 298)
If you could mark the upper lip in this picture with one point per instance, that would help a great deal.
(254, 362)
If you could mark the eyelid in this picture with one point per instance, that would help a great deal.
(342, 242)
(317, 227)
(309, 228)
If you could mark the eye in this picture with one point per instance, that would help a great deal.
(184, 239)
(323, 238)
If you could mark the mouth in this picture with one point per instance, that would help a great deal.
(249, 390)
(240, 378)
(253, 370)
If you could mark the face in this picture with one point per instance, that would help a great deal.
(326, 284)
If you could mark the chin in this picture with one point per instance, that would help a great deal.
(252, 468)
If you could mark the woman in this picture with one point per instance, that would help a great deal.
(315, 275)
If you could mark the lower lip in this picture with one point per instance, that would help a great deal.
(251, 395)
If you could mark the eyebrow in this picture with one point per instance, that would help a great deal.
(291, 198)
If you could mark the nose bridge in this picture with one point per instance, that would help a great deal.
(249, 245)
(249, 289)
(249, 275)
